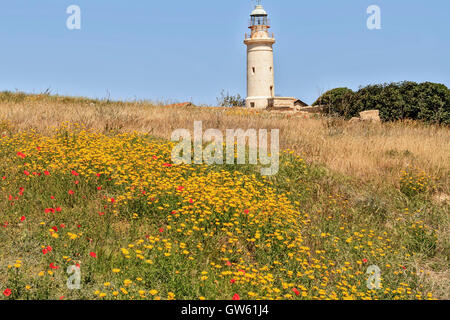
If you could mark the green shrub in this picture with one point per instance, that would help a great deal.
(429, 102)
(227, 100)
(337, 102)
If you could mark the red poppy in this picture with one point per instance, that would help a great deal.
(99, 188)
(62, 225)
(22, 218)
(228, 263)
(98, 174)
(364, 260)
(101, 214)
(232, 281)
(295, 291)
(7, 292)
(236, 297)
(246, 211)
(10, 197)
(26, 172)
(167, 165)
(161, 230)
(71, 192)
(20, 154)
(47, 250)
(52, 266)
(113, 200)
(46, 173)
(77, 182)
(173, 212)
(180, 188)
(55, 229)
(191, 201)
(93, 255)
(61, 298)
(58, 209)
(52, 197)
(75, 173)
(4, 178)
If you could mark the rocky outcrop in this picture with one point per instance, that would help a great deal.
(370, 115)
(367, 116)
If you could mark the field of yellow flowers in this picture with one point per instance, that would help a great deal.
(113, 210)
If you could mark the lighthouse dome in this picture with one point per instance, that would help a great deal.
(259, 11)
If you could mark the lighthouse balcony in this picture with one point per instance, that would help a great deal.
(260, 35)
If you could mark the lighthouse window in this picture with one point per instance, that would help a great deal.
(270, 69)
(253, 69)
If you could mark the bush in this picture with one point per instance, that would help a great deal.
(429, 102)
(337, 101)
(434, 103)
(228, 100)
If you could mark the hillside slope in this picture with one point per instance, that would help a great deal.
(90, 183)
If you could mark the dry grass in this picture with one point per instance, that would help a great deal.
(370, 152)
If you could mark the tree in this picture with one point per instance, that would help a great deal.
(337, 102)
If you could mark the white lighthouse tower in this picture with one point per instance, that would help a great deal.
(260, 73)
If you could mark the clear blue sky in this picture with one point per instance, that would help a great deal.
(182, 50)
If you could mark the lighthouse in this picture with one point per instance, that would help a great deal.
(260, 73)
(260, 69)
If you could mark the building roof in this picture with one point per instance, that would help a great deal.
(259, 11)
(301, 103)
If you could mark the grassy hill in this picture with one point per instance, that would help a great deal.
(90, 183)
